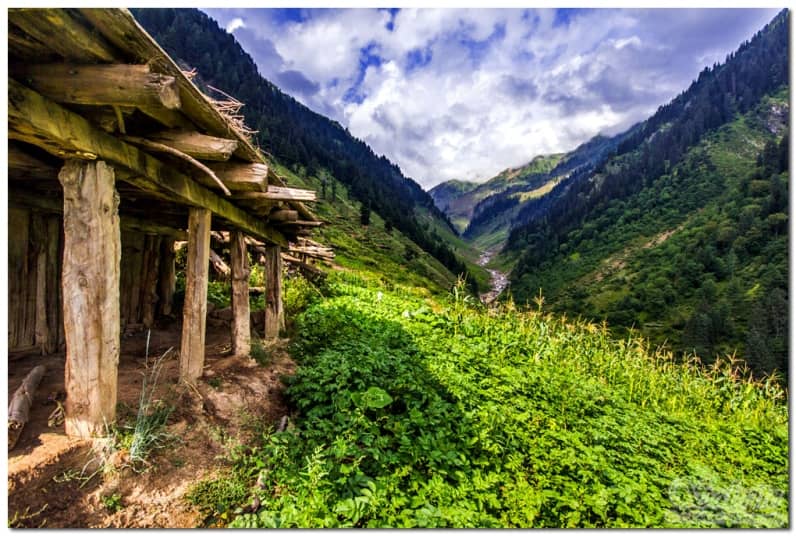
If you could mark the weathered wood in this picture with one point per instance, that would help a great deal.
(53, 294)
(37, 120)
(149, 287)
(101, 85)
(283, 216)
(62, 33)
(90, 282)
(131, 223)
(192, 348)
(219, 265)
(274, 313)
(279, 193)
(22, 165)
(19, 407)
(240, 177)
(241, 329)
(132, 266)
(120, 28)
(163, 148)
(167, 277)
(197, 145)
(19, 221)
(302, 223)
(39, 247)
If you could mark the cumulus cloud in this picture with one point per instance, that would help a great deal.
(234, 24)
(465, 93)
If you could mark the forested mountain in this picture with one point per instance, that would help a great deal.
(684, 226)
(295, 135)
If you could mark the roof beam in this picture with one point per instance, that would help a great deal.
(199, 146)
(279, 193)
(62, 33)
(101, 85)
(37, 120)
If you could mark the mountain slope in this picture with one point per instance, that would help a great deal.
(303, 140)
(458, 199)
(665, 197)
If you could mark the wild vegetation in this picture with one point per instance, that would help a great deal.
(419, 412)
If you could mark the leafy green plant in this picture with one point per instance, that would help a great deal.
(260, 353)
(113, 503)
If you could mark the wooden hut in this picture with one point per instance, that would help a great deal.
(113, 155)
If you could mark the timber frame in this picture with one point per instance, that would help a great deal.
(113, 155)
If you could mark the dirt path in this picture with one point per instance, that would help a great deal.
(499, 280)
(239, 398)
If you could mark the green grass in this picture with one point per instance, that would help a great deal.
(421, 412)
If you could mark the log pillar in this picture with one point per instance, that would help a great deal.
(192, 348)
(90, 286)
(167, 278)
(274, 314)
(241, 331)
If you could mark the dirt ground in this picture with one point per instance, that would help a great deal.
(48, 482)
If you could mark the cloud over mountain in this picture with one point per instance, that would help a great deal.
(464, 93)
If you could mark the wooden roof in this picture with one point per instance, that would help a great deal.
(92, 84)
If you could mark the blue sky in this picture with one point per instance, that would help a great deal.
(466, 93)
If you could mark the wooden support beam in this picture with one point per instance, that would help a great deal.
(90, 282)
(62, 33)
(167, 276)
(279, 193)
(241, 330)
(149, 280)
(192, 348)
(283, 216)
(240, 177)
(42, 122)
(120, 28)
(274, 313)
(199, 146)
(101, 85)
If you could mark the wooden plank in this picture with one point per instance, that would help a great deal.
(274, 312)
(42, 122)
(199, 146)
(241, 329)
(241, 177)
(101, 85)
(62, 33)
(120, 28)
(91, 265)
(302, 223)
(278, 193)
(192, 347)
(19, 220)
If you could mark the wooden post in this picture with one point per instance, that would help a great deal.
(192, 349)
(149, 277)
(90, 282)
(274, 314)
(241, 331)
(167, 279)
(54, 308)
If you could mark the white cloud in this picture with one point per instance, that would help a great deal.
(466, 93)
(234, 24)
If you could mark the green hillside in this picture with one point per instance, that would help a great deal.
(412, 411)
(698, 258)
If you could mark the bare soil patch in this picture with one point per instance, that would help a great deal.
(47, 471)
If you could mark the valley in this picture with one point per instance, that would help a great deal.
(595, 338)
